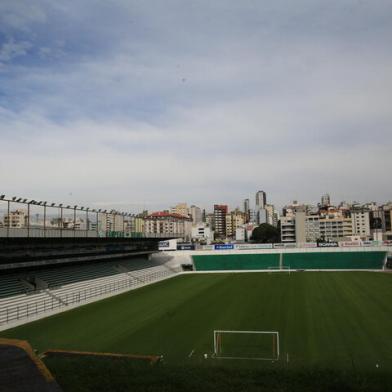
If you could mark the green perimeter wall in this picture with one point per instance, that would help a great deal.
(334, 260)
(308, 260)
(236, 262)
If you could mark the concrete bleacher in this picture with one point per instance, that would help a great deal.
(68, 285)
(10, 285)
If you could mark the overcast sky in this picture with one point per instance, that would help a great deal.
(143, 104)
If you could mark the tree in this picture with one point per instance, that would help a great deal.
(266, 234)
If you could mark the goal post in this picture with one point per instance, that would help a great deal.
(282, 268)
(251, 345)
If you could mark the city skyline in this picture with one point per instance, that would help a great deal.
(105, 104)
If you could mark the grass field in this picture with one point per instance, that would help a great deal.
(328, 322)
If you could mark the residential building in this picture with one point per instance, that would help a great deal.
(16, 219)
(272, 216)
(261, 200)
(312, 228)
(196, 215)
(181, 209)
(234, 219)
(252, 216)
(287, 228)
(335, 229)
(240, 234)
(168, 223)
(202, 233)
(209, 220)
(361, 223)
(220, 212)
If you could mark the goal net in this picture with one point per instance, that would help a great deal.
(256, 345)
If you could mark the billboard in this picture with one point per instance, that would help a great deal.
(223, 246)
(309, 245)
(185, 247)
(332, 244)
(349, 243)
(279, 246)
(167, 245)
(252, 246)
(369, 243)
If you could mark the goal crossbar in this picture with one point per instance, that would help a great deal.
(275, 345)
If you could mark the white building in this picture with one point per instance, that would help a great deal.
(16, 219)
(335, 229)
(168, 224)
(202, 233)
(196, 214)
(361, 223)
(287, 228)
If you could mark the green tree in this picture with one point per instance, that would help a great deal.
(266, 234)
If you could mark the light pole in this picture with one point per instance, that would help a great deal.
(61, 220)
(44, 203)
(8, 215)
(28, 216)
(74, 221)
(96, 227)
(87, 223)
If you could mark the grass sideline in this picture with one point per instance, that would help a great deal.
(105, 375)
(330, 323)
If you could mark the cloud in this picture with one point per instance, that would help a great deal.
(205, 103)
(12, 49)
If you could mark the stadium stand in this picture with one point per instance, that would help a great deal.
(51, 288)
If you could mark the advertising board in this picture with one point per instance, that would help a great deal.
(346, 244)
(185, 247)
(310, 245)
(167, 245)
(223, 246)
(252, 246)
(332, 244)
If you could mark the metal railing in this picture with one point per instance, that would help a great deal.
(40, 219)
(24, 311)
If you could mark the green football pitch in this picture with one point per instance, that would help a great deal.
(333, 320)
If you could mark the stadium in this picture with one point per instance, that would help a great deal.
(249, 319)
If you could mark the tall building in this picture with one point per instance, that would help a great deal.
(361, 223)
(325, 200)
(196, 215)
(261, 216)
(234, 220)
(220, 212)
(261, 200)
(181, 209)
(272, 215)
(246, 209)
(287, 228)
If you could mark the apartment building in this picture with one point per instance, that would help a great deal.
(220, 212)
(168, 223)
(16, 219)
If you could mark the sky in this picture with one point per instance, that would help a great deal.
(133, 105)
